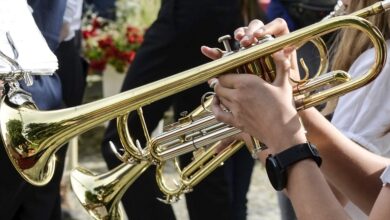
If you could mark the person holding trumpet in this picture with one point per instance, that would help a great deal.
(345, 164)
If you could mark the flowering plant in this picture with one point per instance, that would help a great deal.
(108, 42)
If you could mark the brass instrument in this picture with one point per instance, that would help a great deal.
(31, 137)
(100, 194)
(199, 130)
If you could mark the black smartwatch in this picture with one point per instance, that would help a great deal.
(276, 165)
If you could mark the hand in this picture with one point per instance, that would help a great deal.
(261, 109)
(65, 29)
(256, 29)
(246, 36)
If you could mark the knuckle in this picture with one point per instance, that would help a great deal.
(238, 30)
(281, 22)
(256, 22)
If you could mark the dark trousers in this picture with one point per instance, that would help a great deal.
(71, 71)
(20, 200)
(172, 44)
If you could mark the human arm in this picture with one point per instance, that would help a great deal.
(353, 170)
(381, 209)
(286, 131)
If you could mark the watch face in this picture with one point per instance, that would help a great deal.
(276, 176)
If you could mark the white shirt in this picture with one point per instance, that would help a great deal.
(72, 16)
(364, 114)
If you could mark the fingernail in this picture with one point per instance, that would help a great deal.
(213, 82)
(245, 41)
(205, 47)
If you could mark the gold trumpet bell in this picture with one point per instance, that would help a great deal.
(81, 181)
(100, 194)
(36, 169)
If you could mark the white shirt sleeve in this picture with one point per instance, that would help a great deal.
(364, 114)
(72, 16)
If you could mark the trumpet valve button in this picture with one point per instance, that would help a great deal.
(225, 41)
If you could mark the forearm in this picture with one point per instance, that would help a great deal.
(311, 196)
(307, 188)
(381, 210)
(349, 167)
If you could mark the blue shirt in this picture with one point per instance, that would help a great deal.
(277, 10)
(48, 15)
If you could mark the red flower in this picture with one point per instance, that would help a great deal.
(132, 29)
(135, 38)
(98, 65)
(131, 38)
(88, 34)
(96, 23)
(106, 42)
(110, 43)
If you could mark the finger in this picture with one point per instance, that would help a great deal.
(291, 52)
(212, 53)
(249, 38)
(229, 80)
(224, 94)
(293, 59)
(225, 104)
(283, 67)
(235, 81)
(220, 114)
(239, 33)
(223, 144)
(224, 86)
(212, 82)
(253, 26)
(221, 102)
(277, 27)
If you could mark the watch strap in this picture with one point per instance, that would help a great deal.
(297, 153)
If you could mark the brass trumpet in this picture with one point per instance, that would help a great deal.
(31, 137)
(199, 131)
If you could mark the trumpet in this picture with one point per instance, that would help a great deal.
(31, 137)
(199, 131)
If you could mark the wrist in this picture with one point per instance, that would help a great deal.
(290, 135)
(277, 165)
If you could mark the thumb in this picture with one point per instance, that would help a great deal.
(212, 53)
(283, 67)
